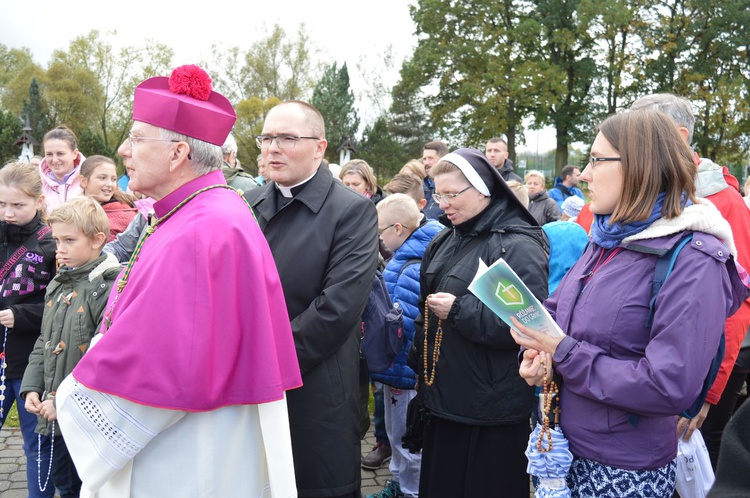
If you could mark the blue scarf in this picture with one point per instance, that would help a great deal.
(609, 236)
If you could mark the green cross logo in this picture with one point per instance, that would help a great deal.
(508, 294)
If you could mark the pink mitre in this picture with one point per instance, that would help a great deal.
(186, 104)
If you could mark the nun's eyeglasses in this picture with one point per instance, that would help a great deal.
(449, 198)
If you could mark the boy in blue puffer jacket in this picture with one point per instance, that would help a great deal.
(407, 233)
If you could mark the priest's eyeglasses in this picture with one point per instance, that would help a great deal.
(282, 141)
(449, 198)
(594, 161)
(132, 140)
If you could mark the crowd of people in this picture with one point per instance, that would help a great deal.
(198, 333)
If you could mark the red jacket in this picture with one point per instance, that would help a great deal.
(733, 208)
(585, 218)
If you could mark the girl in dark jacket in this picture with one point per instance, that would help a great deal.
(464, 355)
(28, 264)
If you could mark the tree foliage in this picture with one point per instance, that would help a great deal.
(12, 61)
(480, 68)
(10, 129)
(408, 121)
(467, 68)
(381, 151)
(334, 99)
(89, 87)
(272, 67)
(251, 114)
(703, 55)
(488, 67)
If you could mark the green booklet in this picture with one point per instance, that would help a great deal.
(502, 291)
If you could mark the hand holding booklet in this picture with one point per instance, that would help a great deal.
(502, 291)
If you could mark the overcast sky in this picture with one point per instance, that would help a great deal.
(343, 30)
(361, 27)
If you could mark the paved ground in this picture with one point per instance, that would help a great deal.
(372, 480)
(13, 466)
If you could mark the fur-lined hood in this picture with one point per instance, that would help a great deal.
(700, 217)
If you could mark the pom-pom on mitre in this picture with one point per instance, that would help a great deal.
(192, 81)
(184, 103)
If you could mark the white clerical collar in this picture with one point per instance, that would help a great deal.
(287, 191)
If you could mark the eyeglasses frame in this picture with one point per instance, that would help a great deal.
(449, 198)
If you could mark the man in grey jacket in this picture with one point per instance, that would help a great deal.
(324, 240)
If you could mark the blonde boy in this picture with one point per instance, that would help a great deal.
(409, 184)
(74, 305)
(403, 230)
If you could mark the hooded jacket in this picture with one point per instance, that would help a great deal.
(476, 380)
(507, 172)
(543, 208)
(56, 193)
(73, 309)
(613, 366)
(22, 290)
(716, 184)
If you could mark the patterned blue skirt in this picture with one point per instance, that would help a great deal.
(590, 479)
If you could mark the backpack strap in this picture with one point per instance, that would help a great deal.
(564, 190)
(412, 261)
(664, 266)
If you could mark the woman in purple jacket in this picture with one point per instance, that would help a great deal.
(623, 382)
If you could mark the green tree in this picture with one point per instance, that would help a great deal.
(470, 69)
(273, 66)
(10, 129)
(564, 50)
(12, 61)
(409, 122)
(93, 143)
(35, 110)
(251, 114)
(116, 73)
(621, 29)
(73, 96)
(334, 99)
(18, 89)
(381, 151)
(701, 53)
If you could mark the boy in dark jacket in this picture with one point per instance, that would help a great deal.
(74, 306)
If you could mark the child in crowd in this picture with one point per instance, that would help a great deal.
(541, 206)
(99, 181)
(520, 190)
(567, 240)
(409, 184)
(75, 302)
(414, 167)
(571, 207)
(399, 227)
(60, 167)
(27, 267)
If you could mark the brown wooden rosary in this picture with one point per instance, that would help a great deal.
(549, 392)
(430, 379)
